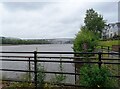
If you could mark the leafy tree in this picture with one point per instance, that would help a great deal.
(87, 37)
(94, 21)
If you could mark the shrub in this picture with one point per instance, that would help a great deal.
(59, 78)
(40, 75)
(96, 78)
(87, 37)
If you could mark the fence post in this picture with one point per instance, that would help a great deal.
(119, 69)
(108, 50)
(99, 57)
(35, 68)
(75, 75)
(102, 48)
(119, 52)
(29, 70)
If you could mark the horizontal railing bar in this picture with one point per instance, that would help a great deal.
(110, 58)
(65, 57)
(16, 70)
(16, 60)
(42, 72)
(64, 52)
(60, 57)
(47, 57)
(47, 61)
(18, 56)
(76, 53)
(16, 52)
(65, 61)
(110, 63)
(49, 72)
(61, 73)
(60, 61)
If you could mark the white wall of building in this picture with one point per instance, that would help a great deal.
(111, 29)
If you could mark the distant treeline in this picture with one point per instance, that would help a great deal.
(4, 40)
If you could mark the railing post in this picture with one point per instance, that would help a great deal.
(119, 52)
(108, 50)
(35, 68)
(75, 75)
(29, 70)
(119, 69)
(102, 48)
(99, 57)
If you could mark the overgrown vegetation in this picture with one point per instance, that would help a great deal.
(87, 37)
(40, 75)
(85, 41)
(96, 78)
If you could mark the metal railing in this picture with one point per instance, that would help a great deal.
(100, 61)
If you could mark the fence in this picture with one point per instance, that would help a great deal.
(108, 49)
(35, 61)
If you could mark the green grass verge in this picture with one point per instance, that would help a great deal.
(109, 43)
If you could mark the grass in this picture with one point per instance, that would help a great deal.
(109, 43)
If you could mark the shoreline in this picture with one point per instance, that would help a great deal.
(22, 44)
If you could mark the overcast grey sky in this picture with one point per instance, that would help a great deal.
(50, 19)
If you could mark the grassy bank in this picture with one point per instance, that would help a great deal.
(109, 43)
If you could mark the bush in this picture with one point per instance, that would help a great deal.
(87, 37)
(96, 78)
(41, 75)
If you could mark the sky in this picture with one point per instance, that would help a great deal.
(50, 19)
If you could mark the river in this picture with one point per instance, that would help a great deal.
(67, 67)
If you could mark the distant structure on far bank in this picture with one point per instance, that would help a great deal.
(112, 30)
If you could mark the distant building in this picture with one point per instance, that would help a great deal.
(111, 30)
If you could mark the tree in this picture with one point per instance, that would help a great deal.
(94, 21)
(84, 36)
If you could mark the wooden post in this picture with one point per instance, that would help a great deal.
(35, 68)
(119, 69)
(102, 48)
(119, 52)
(108, 50)
(99, 57)
(75, 75)
(29, 65)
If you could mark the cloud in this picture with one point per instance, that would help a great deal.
(119, 11)
(48, 19)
